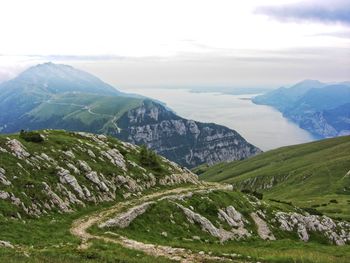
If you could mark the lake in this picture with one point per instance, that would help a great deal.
(261, 125)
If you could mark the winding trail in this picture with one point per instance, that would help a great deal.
(80, 228)
(89, 109)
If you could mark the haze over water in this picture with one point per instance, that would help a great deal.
(261, 125)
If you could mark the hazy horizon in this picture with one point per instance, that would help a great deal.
(184, 43)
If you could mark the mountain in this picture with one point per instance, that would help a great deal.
(314, 174)
(80, 197)
(39, 83)
(61, 97)
(322, 109)
(284, 98)
(186, 141)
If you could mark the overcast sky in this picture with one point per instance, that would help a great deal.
(181, 42)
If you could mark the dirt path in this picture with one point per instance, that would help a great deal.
(79, 228)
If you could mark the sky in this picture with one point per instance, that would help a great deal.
(170, 43)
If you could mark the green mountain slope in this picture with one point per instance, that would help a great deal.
(311, 175)
(81, 197)
(80, 111)
(67, 171)
(61, 97)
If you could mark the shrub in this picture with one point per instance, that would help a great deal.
(281, 201)
(150, 159)
(254, 193)
(334, 201)
(312, 211)
(31, 136)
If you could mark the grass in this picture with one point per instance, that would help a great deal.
(165, 216)
(91, 112)
(308, 175)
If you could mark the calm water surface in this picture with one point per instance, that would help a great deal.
(261, 125)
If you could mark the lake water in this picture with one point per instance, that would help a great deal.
(261, 125)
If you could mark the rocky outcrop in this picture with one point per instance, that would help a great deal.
(186, 142)
(338, 233)
(115, 157)
(124, 220)
(17, 149)
(263, 229)
(205, 224)
(4, 195)
(173, 179)
(6, 244)
(231, 216)
(55, 199)
(234, 219)
(92, 176)
(3, 178)
(67, 178)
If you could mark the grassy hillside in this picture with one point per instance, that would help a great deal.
(65, 171)
(57, 188)
(175, 229)
(49, 178)
(310, 175)
(80, 111)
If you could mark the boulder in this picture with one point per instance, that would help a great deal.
(123, 220)
(17, 149)
(263, 229)
(3, 178)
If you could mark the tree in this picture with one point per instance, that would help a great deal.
(31, 136)
(150, 159)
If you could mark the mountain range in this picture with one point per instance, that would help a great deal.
(61, 97)
(320, 108)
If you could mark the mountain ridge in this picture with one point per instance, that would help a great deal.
(61, 97)
(308, 104)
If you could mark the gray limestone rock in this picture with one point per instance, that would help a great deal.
(17, 149)
(123, 220)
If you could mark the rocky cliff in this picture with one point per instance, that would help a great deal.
(51, 96)
(188, 142)
(322, 109)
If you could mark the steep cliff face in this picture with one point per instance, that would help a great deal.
(321, 109)
(188, 142)
(51, 96)
(316, 122)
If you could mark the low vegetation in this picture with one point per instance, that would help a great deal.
(312, 175)
(174, 229)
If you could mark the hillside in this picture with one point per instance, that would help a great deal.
(61, 97)
(322, 109)
(80, 197)
(68, 171)
(314, 175)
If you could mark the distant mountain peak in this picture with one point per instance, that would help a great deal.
(309, 82)
(59, 78)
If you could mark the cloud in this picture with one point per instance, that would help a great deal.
(336, 11)
(338, 34)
